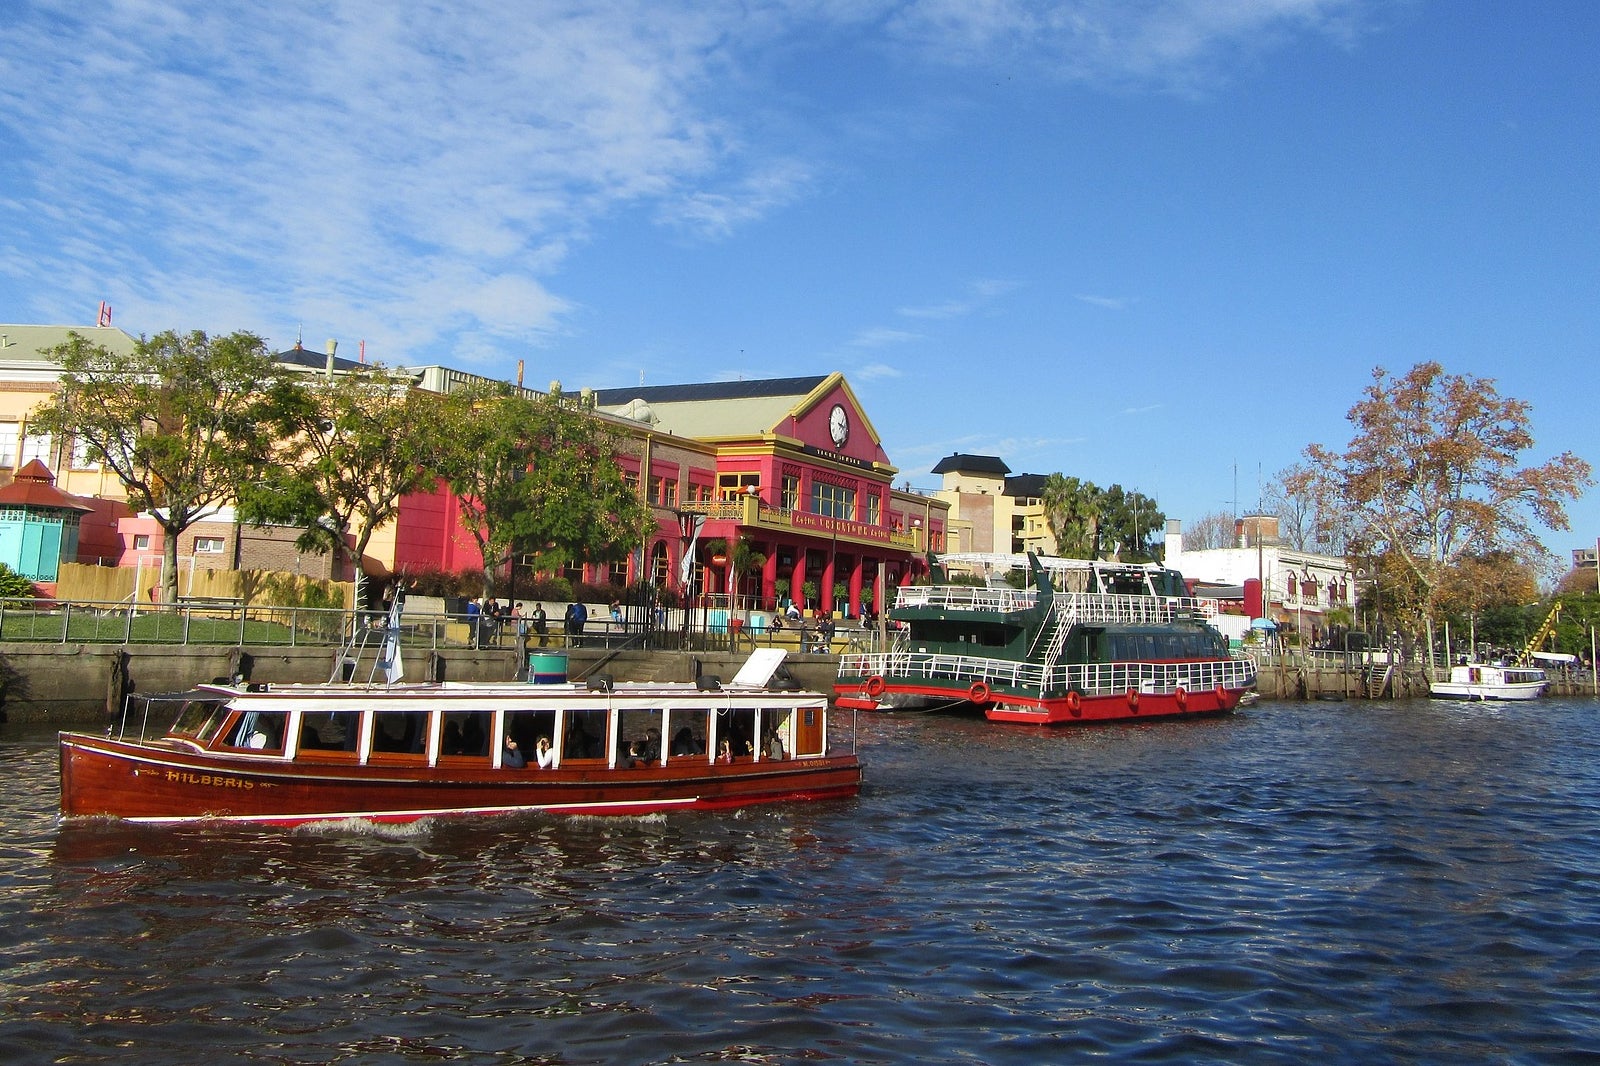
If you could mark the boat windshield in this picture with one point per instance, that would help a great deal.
(199, 719)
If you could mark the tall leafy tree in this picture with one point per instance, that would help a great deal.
(1432, 474)
(182, 421)
(351, 447)
(1072, 507)
(540, 473)
(1129, 520)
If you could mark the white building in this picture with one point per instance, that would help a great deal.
(1300, 588)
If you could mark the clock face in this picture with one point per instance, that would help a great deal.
(838, 424)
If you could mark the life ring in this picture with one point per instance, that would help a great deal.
(978, 693)
(1222, 697)
(875, 686)
(1180, 696)
(1074, 701)
(1133, 698)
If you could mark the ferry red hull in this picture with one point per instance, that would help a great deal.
(999, 705)
(155, 782)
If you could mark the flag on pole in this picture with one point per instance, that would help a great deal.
(686, 564)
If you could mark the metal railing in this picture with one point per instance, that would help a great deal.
(1088, 678)
(231, 623)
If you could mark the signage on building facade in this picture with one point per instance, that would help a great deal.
(835, 457)
(818, 523)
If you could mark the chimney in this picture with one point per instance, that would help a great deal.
(333, 346)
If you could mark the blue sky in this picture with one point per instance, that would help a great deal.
(1161, 243)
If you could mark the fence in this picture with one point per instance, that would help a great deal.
(220, 620)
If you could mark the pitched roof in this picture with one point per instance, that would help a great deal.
(29, 343)
(959, 463)
(307, 359)
(34, 488)
(1026, 485)
(713, 408)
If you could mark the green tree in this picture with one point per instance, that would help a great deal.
(1431, 474)
(182, 421)
(539, 473)
(351, 447)
(1129, 520)
(1072, 508)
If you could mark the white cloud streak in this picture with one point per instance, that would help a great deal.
(420, 173)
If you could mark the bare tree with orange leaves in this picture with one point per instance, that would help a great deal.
(1432, 476)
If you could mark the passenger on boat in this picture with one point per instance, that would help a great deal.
(684, 743)
(634, 757)
(650, 746)
(775, 745)
(724, 751)
(545, 753)
(512, 757)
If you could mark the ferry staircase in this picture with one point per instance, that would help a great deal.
(1054, 631)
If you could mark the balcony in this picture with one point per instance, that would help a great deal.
(752, 511)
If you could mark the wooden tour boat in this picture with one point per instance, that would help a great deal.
(392, 752)
(1090, 641)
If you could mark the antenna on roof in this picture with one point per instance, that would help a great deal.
(105, 314)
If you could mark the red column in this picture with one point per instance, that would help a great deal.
(855, 585)
(769, 576)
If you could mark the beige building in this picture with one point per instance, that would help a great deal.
(991, 509)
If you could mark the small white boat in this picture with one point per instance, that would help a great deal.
(1490, 681)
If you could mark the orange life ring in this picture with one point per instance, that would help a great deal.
(1222, 697)
(1074, 701)
(875, 686)
(1133, 698)
(1180, 696)
(978, 693)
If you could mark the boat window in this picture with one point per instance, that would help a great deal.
(737, 728)
(639, 736)
(777, 733)
(467, 733)
(330, 730)
(199, 719)
(526, 727)
(687, 733)
(586, 735)
(405, 732)
(261, 731)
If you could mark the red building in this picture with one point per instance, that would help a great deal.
(793, 467)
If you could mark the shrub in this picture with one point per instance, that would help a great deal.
(14, 584)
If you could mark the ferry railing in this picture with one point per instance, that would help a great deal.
(1094, 607)
(1088, 678)
(966, 598)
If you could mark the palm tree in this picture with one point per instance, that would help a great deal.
(1072, 508)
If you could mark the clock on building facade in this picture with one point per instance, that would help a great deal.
(838, 425)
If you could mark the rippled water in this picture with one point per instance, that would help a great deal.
(1349, 882)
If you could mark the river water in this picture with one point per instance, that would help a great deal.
(1347, 882)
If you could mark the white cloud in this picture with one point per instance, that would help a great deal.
(881, 338)
(413, 172)
(1110, 303)
(979, 295)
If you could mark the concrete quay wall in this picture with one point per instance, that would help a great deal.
(74, 684)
